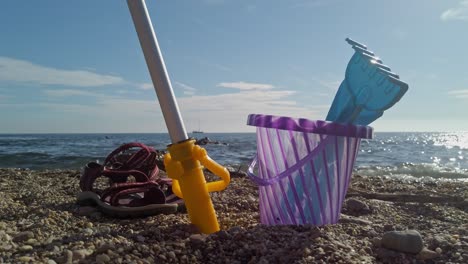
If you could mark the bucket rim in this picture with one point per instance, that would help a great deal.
(310, 126)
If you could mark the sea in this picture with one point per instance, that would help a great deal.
(434, 156)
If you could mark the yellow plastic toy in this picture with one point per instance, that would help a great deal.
(184, 162)
(184, 165)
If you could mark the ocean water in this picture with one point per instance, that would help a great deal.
(425, 156)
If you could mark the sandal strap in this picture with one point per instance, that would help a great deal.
(141, 165)
(89, 175)
(151, 191)
(118, 166)
(136, 160)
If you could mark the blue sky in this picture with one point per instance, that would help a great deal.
(76, 66)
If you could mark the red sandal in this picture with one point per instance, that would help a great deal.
(135, 189)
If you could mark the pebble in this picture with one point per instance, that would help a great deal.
(31, 241)
(223, 234)
(102, 258)
(171, 255)
(80, 254)
(25, 248)
(67, 257)
(372, 233)
(389, 227)
(104, 247)
(4, 236)
(384, 253)
(25, 259)
(409, 241)
(355, 220)
(426, 254)
(357, 206)
(23, 236)
(441, 241)
(235, 229)
(140, 238)
(197, 239)
(88, 231)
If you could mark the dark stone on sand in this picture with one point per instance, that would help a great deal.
(198, 240)
(357, 206)
(384, 253)
(23, 236)
(426, 254)
(86, 210)
(223, 234)
(408, 241)
(355, 220)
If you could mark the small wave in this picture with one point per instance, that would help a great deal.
(36, 160)
(417, 171)
(23, 159)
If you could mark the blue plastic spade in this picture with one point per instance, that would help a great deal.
(369, 88)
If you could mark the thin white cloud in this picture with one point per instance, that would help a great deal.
(461, 94)
(329, 84)
(68, 92)
(456, 13)
(24, 71)
(228, 112)
(188, 90)
(216, 113)
(246, 85)
(146, 86)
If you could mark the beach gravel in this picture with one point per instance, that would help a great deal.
(40, 222)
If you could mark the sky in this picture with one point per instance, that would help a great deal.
(77, 66)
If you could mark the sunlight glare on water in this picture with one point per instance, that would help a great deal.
(452, 140)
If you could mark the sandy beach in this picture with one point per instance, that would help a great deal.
(40, 222)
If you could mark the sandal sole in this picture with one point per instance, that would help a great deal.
(90, 198)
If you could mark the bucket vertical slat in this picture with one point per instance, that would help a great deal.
(318, 191)
(304, 168)
(288, 204)
(338, 176)
(291, 186)
(327, 176)
(305, 191)
(278, 216)
(313, 207)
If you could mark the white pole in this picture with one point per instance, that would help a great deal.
(157, 70)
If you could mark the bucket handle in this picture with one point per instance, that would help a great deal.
(288, 171)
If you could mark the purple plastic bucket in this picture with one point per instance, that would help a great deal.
(304, 168)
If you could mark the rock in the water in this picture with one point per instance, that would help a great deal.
(409, 241)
